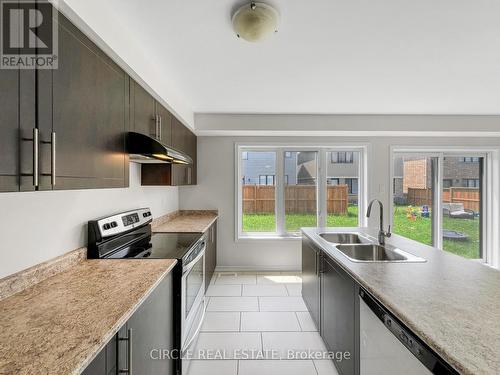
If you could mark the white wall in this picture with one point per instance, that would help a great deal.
(216, 181)
(37, 226)
(346, 125)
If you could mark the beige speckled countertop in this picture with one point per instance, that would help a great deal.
(451, 303)
(58, 325)
(187, 222)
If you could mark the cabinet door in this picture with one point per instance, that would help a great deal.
(152, 328)
(179, 135)
(17, 121)
(143, 111)
(210, 254)
(338, 314)
(9, 130)
(310, 279)
(88, 113)
(105, 361)
(165, 124)
(185, 141)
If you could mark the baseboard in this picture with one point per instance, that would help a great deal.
(258, 269)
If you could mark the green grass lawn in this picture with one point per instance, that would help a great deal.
(418, 230)
(421, 230)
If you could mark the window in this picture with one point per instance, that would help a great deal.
(258, 197)
(282, 190)
(342, 157)
(440, 201)
(333, 181)
(266, 180)
(471, 182)
(468, 159)
(301, 191)
(352, 184)
(342, 195)
(413, 216)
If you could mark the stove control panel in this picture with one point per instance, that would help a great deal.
(123, 222)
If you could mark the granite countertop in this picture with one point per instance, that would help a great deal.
(60, 324)
(451, 303)
(194, 221)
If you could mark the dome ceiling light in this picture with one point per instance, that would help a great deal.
(255, 21)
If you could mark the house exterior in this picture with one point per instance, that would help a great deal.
(416, 172)
(301, 169)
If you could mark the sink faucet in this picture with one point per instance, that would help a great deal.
(382, 234)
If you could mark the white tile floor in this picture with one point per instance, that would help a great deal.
(262, 314)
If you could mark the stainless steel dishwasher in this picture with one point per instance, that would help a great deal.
(388, 347)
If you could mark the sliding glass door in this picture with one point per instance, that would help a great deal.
(414, 192)
(462, 202)
(438, 200)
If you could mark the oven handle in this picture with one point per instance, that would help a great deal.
(191, 264)
(198, 328)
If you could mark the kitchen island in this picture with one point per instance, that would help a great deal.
(451, 303)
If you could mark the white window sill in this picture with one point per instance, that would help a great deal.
(270, 237)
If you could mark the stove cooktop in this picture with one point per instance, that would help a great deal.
(172, 245)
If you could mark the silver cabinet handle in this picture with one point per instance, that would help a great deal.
(128, 339)
(159, 127)
(35, 156)
(155, 119)
(53, 160)
(36, 142)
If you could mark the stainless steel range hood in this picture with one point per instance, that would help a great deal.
(145, 149)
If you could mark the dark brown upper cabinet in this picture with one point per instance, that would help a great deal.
(181, 139)
(82, 117)
(142, 110)
(186, 141)
(148, 116)
(17, 124)
(9, 130)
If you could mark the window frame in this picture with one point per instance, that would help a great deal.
(321, 185)
(490, 218)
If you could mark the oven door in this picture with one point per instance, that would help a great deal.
(192, 298)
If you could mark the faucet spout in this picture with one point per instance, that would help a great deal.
(382, 234)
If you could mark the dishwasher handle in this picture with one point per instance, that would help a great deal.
(417, 347)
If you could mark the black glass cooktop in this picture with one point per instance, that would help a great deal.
(157, 246)
(172, 245)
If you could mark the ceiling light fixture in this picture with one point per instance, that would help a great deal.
(255, 21)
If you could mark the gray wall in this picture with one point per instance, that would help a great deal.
(216, 190)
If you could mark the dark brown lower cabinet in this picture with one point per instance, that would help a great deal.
(105, 361)
(339, 314)
(331, 296)
(140, 342)
(311, 278)
(210, 253)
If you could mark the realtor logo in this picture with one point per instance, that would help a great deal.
(28, 34)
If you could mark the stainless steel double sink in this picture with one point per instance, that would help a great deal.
(361, 248)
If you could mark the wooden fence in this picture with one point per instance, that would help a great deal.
(299, 199)
(468, 196)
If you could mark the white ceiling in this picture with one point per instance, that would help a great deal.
(330, 56)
